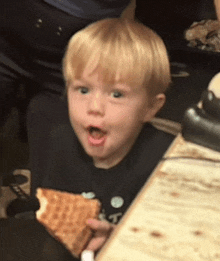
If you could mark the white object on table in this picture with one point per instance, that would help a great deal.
(87, 255)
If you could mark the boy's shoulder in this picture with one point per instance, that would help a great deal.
(151, 144)
(151, 134)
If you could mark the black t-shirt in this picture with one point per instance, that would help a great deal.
(70, 169)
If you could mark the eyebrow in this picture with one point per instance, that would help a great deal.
(117, 84)
(81, 82)
(122, 85)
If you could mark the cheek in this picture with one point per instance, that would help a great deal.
(73, 116)
(129, 114)
(125, 121)
(70, 109)
(74, 107)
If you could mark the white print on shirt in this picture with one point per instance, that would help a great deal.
(114, 218)
(88, 195)
(116, 202)
(102, 215)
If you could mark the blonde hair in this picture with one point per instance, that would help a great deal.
(125, 51)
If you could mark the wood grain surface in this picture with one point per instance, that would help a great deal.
(176, 216)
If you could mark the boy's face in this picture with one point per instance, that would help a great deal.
(107, 119)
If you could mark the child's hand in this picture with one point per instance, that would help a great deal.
(102, 230)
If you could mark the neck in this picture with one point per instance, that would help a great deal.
(105, 163)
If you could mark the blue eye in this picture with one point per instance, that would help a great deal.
(116, 94)
(83, 90)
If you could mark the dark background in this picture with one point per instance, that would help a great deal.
(170, 19)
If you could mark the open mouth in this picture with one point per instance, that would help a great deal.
(96, 132)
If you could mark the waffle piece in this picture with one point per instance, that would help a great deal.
(64, 215)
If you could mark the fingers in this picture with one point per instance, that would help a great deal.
(96, 243)
(101, 226)
(102, 231)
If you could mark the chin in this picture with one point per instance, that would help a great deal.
(95, 152)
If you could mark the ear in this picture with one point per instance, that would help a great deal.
(156, 104)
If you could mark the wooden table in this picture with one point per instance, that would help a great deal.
(176, 216)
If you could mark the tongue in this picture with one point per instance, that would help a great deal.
(97, 134)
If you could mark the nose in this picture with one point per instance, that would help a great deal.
(96, 104)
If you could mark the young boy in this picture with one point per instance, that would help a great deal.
(116, 73)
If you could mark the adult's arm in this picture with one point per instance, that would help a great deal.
(129, 11)
(217, 8)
